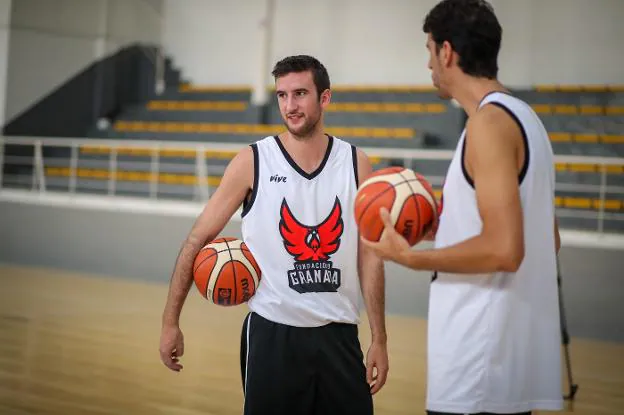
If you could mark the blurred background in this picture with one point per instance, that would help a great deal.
(119, 116)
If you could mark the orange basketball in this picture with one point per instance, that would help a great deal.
(225, 272)
(407, 195)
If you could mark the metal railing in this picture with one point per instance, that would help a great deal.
(174, 170)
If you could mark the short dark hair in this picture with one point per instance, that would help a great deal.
(302, 63)
(472, 29)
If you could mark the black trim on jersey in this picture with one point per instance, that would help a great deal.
(296, 166)
(463, 163)
(493, 92)
(525, 140)
(254, 189)
(355, 165)
(525, 165)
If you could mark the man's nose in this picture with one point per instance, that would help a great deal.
(291, 104)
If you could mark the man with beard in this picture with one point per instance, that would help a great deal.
(300, 352)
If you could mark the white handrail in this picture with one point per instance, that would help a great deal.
(202, 189)
(397, 153)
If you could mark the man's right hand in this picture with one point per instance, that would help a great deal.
(171, 347)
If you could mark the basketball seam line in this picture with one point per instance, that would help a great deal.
(380, 194)
(436, 215)
(233, 271)
(213, 254)
(414, 196)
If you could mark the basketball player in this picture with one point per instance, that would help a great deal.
(300, 352)
(493, 322)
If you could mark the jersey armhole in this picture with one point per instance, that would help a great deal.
(355, 165)
(254, 188)
(463, 162)
(525, 140)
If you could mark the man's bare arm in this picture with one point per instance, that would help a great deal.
(372, 282)
(371, 271)
(236, 182)
(492, 160)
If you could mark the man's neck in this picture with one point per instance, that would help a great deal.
(308, 153)
(470, 91)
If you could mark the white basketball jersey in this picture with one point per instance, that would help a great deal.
(494, 339)
(301, 230)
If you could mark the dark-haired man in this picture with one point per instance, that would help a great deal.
(300, 352)
(493, 323)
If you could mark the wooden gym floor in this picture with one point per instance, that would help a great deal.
(73, 344)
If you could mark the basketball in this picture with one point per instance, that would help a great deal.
(407, 195)
(225, 272)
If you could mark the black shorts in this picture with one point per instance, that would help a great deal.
(303, 371)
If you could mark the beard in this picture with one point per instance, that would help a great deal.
(440, 91)
(305, 130)
(442, 94)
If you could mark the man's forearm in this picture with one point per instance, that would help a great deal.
(180, 285)
(372, 281)
(474, 255)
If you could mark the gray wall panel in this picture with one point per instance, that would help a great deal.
(144, 246)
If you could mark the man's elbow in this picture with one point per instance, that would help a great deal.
(510, 256)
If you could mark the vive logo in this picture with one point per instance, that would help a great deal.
(277, 178)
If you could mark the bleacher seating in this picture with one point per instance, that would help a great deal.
(585, 121)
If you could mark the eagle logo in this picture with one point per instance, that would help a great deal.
(311, 242)
(311, 247)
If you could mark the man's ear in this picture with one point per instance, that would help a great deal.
(446, 54)
(325, 98)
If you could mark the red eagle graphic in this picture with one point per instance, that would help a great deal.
(311, 243)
